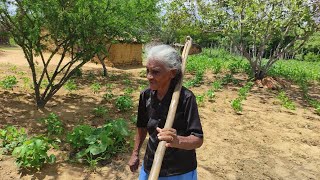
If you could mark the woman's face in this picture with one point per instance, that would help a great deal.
(159, 75)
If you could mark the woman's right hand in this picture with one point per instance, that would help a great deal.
(134, 162)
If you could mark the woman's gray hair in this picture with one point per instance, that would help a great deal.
(166, 55)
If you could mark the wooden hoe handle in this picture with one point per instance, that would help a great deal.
(161, 149)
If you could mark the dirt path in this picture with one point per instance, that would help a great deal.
(265, 142)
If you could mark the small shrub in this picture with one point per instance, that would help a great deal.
(8, 82)
(44, 83)
(100, 111)
(285, 101)
(26, 82)
(228, 78)
(33, 153)
(11, 137)
(94, 144)
(53, 124)
(211, 94)
(108, 96)
(217, 85)
(236, 105)
(95, 87)
(200, 99)
(127, 82)
(109, 86)
(77, 73)
(128, 91)
(317, 109)
(70, 85)
(77, 137)
(217, 66)
(124, 103)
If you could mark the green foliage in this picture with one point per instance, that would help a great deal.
(11, 137)
(70, 85)
(94, 144)
(26, 82)
(78, 30)
(196, 81)
(217, 85)
(33, 153)
(128, 91)
(44, 84)
(312, 57)
(228, 78)
(243, 91)
(100, 111)
(108, 96)
(8, 82)
(124, 103)
(298, 71)
(95, 87)
(200, 99)
(211, 94)
(285, 101)
(77, 73)
(127, 82)
(77, 137)
(236, 105)
(53, 124)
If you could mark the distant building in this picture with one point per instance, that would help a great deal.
(120, 54)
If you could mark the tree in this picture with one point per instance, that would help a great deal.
(282, 26)
(259, 29)
(77, 29)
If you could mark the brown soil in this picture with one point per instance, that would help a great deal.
(266, 141)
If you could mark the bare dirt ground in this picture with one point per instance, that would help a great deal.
(266, 142)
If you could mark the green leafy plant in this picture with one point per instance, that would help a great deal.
(285, 101)
(70, 85)
(44, 84)
(53, 124)
(100, 111)
(236, 105)
(317, 109)
(77, 137)
(95, 87)
(127, 82)
(228, 78)
(94, 144)
(77, 73)
(217, 85)
(211, 94)
(124, 102)
(11, 137)
(200, 99)
(108, 96)
(33, 153)
(26, 82)
(9, 82)
(243, 92)
(128, 91)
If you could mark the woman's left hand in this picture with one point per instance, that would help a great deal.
(169, 135)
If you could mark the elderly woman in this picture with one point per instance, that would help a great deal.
(179, 162)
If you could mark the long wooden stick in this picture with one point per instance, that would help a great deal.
(161, 149)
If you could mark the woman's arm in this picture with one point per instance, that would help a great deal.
(140, 136)
(181, 142)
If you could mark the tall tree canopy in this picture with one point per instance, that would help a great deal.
(78, 29)
(257, 28)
